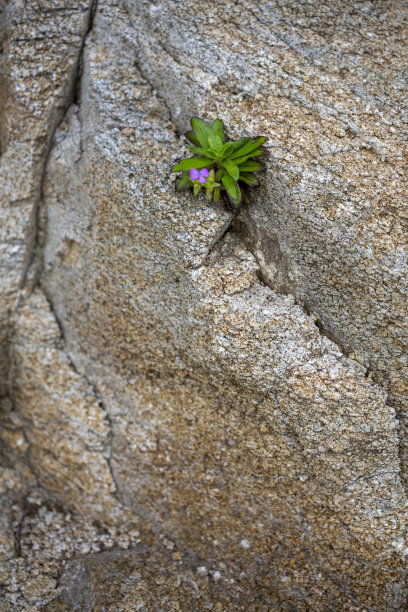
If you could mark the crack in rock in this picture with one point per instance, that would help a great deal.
(35, 258)
(107, 453)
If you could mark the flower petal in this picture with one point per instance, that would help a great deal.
(204, 172)
(194, 174)
(202, 179)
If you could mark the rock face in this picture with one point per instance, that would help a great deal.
(330, 224)
(164, 369)
(40, 46)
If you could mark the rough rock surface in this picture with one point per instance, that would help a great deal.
(157, 385)
(40, 44)
(326, 84)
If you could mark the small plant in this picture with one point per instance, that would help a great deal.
(221, 168)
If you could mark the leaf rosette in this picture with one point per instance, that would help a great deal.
(223, 169)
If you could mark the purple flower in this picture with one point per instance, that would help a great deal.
(201, 176)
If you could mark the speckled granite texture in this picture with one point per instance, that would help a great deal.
(40, 45)
(201, 411)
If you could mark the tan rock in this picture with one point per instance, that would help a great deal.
(325, 86)
(40, 48)
(155, 373)
(66, 427)
(233, 418)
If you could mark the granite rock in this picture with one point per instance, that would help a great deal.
(40, 45)
(206, 375)
(325, 85)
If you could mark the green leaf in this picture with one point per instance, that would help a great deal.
(236, 203)
(216, 194)
(247, 148)
(238, 143)
(210, 153)
(250, 166)
(218, 129)
(197, 150)
(226, 149)
(232, 188)
(215, 142)
(193, 162)
(248, 178)
(219, 174)
(193, 138)
(232, 168)
(201, 131)
(183, 182)
(197, 188)
(241, 160)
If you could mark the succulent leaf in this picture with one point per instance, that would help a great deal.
(210, 153)
(197, 150)
(219, 174)
(232, 168)
(238, 202)
(232, 188)
(249, 178)
(193, 138)
(215, 143)
(218, 129)
(246, 148)
(226, 150)
(201, 131)
(193, 162)
(241, 160)
(211, 176)
(238, 143)
(250, 166)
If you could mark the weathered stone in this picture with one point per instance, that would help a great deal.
(148, 578)
(40, 44)
(156, 375)
(324, 84)
(67, 429)
(38, 535)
